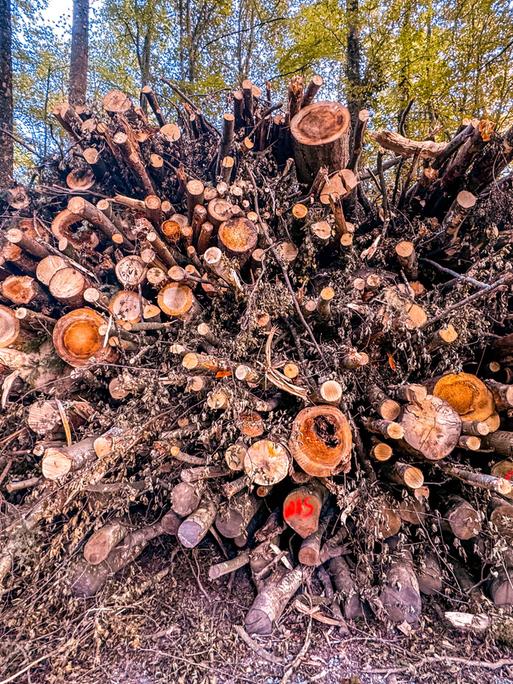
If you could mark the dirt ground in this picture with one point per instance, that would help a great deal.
(163, 621)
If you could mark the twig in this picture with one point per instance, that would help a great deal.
(506, 279)
(497, 665)
(283, 269)
(304, 648)
(455, 274)
(255, 647)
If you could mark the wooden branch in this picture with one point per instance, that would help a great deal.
(427, 149)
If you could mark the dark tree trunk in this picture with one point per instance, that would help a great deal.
(6, 105)
(354, 61)
(79, 53)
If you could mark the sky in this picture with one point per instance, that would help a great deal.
(57, 9)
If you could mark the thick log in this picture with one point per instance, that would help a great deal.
(401, 595)
(86, 580)
(103, 541)
(178, 301)
(238, 237)
(502, 394)
(59, 461)
(48, 267)
(127, 306)
(266, 462)
(131, 271)
(77, 339)
(302, 508)
(270, 603)
(500, 441)
(501, 516)
(83, 240)
(45, 417)
(346, 588)
(460, 518)
(320, 134)
(233, 518)
(431, 427)
(429, 574)
(467, 394)
(23, 290)
(68, 286)
(186, 497)
(197, 525)
(320, 441)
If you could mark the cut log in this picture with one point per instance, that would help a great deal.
(59, 461)
(431, 427)
(405, 474)
(131, 271)
(86, 580)
(29, 244)
(429, 575)
(238, 238)
(103, 541)
(48, 267)
(500, 441)
(457, 213)
(302, 508)
(233, 518)
(401, 595)
(77, 339)
(68, 285)
(501, 588)
(197, 525)
(381, 451)
(82, 239)
(321, 441)
(500, 627)
(126, 305)
(468, 395)
(461, 518)
(24, 290)
(178, 301)
(320, 134)
(266, 462)
(501, 517)
(480, 480)
(346, 588)
(407, 258)
(270, 603)
(502, 394)
(45, 418)
(186, 497)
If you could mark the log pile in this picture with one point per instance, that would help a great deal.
(247, 333)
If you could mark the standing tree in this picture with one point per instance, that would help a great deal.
(6, 105)
(354, 60)
(79, 53)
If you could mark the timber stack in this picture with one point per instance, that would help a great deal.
(281, 332)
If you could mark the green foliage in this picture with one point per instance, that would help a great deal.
(451, 59)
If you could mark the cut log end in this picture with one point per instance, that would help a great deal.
(321, 440)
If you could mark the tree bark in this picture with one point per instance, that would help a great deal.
(6, 100)
(79, 53)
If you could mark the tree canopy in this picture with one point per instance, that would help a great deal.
(443, 60)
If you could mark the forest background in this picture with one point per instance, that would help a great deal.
(442, 61)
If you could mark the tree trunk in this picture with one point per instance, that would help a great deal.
(6, 102)
(354, 61)
(79, 53)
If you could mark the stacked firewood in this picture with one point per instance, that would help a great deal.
(247, 333)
